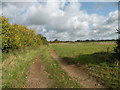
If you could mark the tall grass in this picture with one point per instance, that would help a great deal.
(16, 66)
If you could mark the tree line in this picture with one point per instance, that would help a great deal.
(18, 36)
(59, 41)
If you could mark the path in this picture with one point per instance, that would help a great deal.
(77, 73)
(38, 76)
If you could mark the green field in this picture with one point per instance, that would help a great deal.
(97, 58)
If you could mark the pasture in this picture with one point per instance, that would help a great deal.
(97, 58)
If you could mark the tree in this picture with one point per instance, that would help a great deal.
(45, 42)
(117, 49)
(56, 41)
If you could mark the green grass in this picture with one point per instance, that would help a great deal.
(17, 63)
(98, 59)
(59, 77)
(15, 67)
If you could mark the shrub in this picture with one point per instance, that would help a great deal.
(19, 36)
(117, 49)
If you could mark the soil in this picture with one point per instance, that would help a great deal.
(77, 73)
(38, 77)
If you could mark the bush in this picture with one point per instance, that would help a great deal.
(117, 49)
(19, 36)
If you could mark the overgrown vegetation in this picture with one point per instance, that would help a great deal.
(19, 36)
(16, 67)
(98, 59)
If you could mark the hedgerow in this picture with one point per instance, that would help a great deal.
(19, 36)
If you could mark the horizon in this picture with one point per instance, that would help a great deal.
(85, 40)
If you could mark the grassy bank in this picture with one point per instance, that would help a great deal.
(97, 58)
(15, 67)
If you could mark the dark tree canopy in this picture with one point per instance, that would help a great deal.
(117, 49)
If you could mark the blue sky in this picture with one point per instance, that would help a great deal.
(101, 8)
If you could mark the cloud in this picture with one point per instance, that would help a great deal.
(0, 9)
(62, 20)
(107, 29)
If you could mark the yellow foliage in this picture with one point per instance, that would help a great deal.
(17, 36)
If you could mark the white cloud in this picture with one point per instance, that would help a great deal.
(60, 0)
(67, 23)
(106, 29)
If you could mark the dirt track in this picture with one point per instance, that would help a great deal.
(38, 77)
(77, 73)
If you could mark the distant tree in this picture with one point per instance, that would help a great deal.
(44, 40)
(77, 41)
(117, 49)
(56, 41)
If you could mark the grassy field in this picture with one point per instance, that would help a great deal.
(97, 58)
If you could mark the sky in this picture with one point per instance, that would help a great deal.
(65, 20)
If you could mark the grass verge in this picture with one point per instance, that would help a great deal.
(15, 67)
(106, 73)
